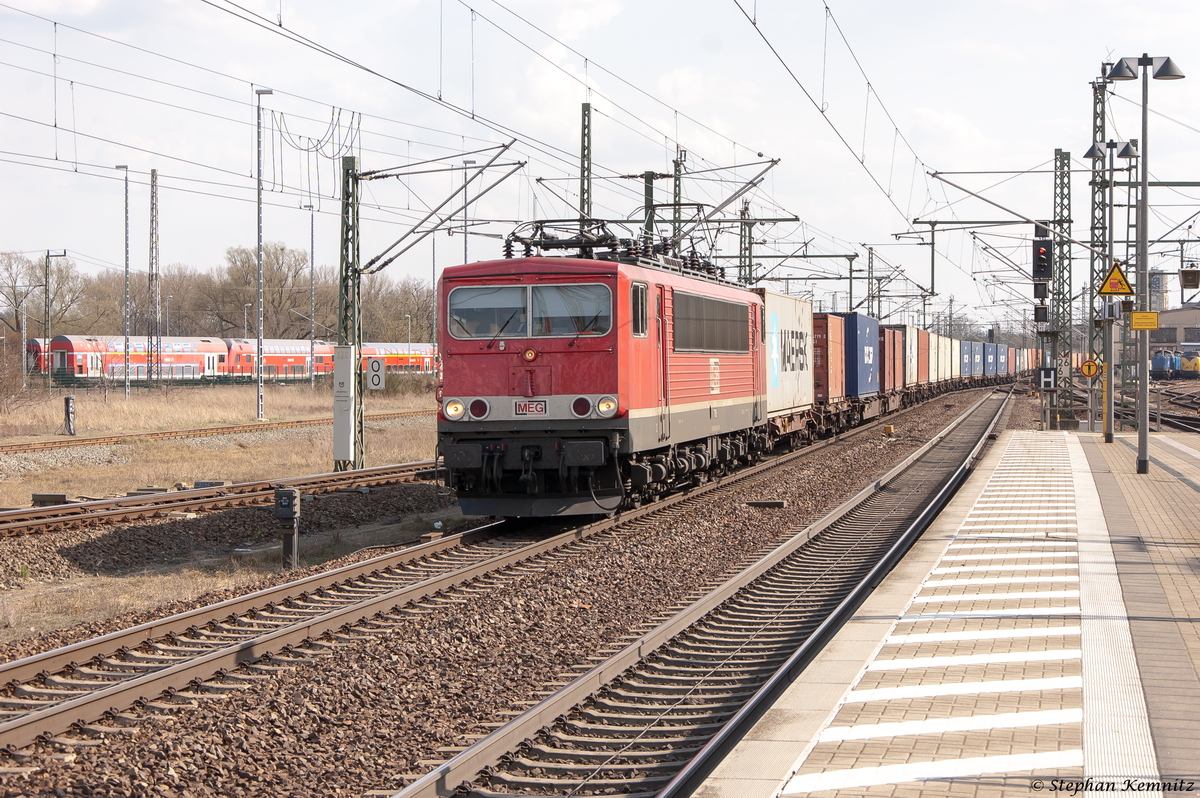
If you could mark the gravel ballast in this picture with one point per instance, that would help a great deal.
(376, 709)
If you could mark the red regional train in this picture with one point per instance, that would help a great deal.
(584, 386)
(88, 358)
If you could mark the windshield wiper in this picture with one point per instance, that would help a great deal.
(503, 327)
(585, 327)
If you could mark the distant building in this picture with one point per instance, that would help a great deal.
(1160, 297)
(1178, 328)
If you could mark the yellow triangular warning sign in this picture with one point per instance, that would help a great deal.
(1115, 283)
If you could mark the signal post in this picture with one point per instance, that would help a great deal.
(1115, 284)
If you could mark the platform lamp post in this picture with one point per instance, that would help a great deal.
(312, 296)
(1163, 69)
(258, 358)
(125, 168)
(409, 318)
(245, 329)
(1096, 152)
(168, 315)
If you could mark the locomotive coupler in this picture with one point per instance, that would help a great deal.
(528, 455)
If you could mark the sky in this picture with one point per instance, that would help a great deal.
(856, 102)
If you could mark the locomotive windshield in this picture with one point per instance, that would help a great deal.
(489, 311)
(571, 309)
(505, 312)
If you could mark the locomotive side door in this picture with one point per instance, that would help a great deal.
(664, 366)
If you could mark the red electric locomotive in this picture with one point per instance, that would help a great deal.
(578, 386)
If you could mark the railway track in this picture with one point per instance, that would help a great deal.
(1186, 399)
(1177, 421)
(202, 432)
(650, 719)
(231, 645)
(1126, 411)
(38, 520)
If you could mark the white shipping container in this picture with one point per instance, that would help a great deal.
(939, 353)
(956, 358)
(935, 357)
(945, 358)
(789, 345)
(910, 355)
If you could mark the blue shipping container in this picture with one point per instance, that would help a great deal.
(862, 355)
(1002, 360)
(976, 358)
(964, 359)
(990, 360)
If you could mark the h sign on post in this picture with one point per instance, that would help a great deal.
(375, 374)
(1048, 379)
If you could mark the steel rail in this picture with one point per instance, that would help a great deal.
(62, 716)
(198, 432)
(47, 662)
(29, 520)
(447, 778)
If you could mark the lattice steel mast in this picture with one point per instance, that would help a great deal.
(350, 303)
(154, 328)
(1099, 183)
(1060, 287)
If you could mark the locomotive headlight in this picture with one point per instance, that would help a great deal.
(607, 406)
(529, 355)
(454, 409)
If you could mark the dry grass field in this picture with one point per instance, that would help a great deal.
(109, 470)
(39, 416)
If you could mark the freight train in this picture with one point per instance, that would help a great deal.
(576, 385)
(92, 359)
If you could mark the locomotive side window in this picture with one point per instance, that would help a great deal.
(710, 325)
(638, 312)
(486, 312)
(571, 310)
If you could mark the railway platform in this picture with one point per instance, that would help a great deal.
(1043, 636)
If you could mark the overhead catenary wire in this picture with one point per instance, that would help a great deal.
(554, 155)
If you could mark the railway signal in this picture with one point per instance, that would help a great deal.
(1042, 259)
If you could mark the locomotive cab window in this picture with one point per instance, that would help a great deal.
(571, 310)
(487, 312)
(518, 311)
(637, 308)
